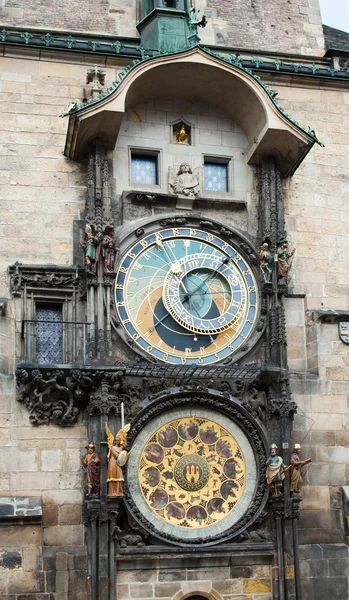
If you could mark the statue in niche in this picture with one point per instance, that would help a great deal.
(182, 135)
(283, 259)
(89, 246)
(117, 458)
(266, 258)
(91, 462)
(185, 182)
(275, 471)
(109, 250)
(296, 469)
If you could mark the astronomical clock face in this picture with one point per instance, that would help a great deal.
(186, 296)
(196, 473)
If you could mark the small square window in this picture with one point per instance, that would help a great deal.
(144, 168)
(215, 176)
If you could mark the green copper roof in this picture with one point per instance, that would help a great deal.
(233, 59)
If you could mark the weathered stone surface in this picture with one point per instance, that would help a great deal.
(146, 575)
(10, 558)
(64, 535)
(230, 586)
(257, 586)
(12, 535)
(31, 559)
(69, 514)
(144, 590)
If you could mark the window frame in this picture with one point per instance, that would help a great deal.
(47, 304)
(218, 160)
(146, 152)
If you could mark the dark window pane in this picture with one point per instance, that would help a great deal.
(215, 177)
(49, 335)
(144, 170)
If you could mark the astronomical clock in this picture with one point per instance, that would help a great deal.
(184, 295)
(189, 295)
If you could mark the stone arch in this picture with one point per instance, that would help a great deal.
(212, 80)
(199, 591)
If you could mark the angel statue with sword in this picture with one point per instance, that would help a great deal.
(117, 458)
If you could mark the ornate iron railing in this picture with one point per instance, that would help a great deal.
(49, 342)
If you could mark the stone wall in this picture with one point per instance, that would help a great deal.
(149, 126)
(41, 194)
(324, 571)
(317, 216)
(216, 577)
(293, 27)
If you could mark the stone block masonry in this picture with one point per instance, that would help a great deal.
(293, 27)
(176, 577)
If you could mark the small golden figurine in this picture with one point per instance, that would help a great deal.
(296, 469)
(117, 458)
(181, 135)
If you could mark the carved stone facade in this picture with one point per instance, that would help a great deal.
(150, 279)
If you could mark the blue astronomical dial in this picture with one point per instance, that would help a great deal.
(186, 296)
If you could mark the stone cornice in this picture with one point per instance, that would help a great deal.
(100, 45)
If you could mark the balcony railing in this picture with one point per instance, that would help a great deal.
(48, 342)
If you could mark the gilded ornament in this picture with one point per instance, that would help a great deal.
(181, 135)
(192, 472)
(117, 458)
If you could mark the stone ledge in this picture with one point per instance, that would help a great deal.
(14, 508)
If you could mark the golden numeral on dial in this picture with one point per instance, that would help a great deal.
(118, 286)
(144, 243)
(123, 270)
(120, 304)
(131, 255)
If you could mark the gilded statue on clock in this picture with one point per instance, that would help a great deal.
(186, 296)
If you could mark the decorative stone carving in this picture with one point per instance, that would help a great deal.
(89, 246)
(109, 250)
(95, 76)
(37, 276)
(255, 401)
(284, 259)
(282, 407)
(266, 258)
(183, 181)
(54, 396)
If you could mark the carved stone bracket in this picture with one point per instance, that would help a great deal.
(58, 396)
(54, 396)
(282, 407)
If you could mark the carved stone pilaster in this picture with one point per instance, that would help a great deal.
(295, 507)
(277, 508)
